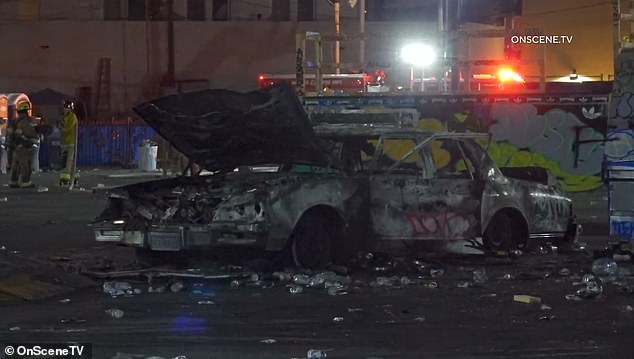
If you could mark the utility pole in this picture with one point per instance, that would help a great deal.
(443, 35)
(451, 10)
(337, 6)
(148, 39)
(362, 33)
(170, 75)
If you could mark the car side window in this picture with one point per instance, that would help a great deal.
(450, 160)
(394, 149)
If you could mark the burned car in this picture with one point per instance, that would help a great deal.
(322, 193)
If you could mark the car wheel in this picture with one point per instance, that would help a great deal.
(505, 233)
(311, 242)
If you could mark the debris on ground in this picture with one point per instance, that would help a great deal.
(316, 354)
(268, 341)
(564, 272)
(593, 287)
(114, 313)
(605, 268)
(117, 288)
(206, 302)
(296, 289)
(573, 298)
(177, 286)
(464, 284)
(480, 276)
(546, 317)
(528, 299)
(436, 272)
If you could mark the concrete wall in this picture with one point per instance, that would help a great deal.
(589, 21)
(93, 10)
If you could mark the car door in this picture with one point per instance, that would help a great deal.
(393, 187)
(449, 202)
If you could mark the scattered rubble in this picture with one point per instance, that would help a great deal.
(564, 272)
(546, 317)
(206, 302)
(528, 299)
(605, 268)
(316, 354)
(115, 313)
(480, 276)
(117, 288)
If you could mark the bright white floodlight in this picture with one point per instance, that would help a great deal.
(418, 54)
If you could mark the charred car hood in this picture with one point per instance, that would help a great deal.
(222, 129)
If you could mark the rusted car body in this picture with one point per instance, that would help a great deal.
(323, 192)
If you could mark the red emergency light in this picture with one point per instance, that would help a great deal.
(507, 74)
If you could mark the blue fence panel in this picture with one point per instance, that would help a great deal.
(107, 145)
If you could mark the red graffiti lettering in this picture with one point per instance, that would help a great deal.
(442, 224)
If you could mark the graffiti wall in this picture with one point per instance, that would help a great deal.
(565, 134)
(619, 150)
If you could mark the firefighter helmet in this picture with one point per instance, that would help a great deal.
(69, 104)
(23, 106)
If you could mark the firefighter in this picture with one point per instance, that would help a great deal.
(24, 138)
(68, 143)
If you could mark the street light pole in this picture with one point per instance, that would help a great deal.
(362, 31)
(337, 6)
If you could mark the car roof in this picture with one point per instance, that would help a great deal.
(374, 131)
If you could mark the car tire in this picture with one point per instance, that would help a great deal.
(311, 242)
(502, 234)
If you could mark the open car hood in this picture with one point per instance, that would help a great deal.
(222, 129)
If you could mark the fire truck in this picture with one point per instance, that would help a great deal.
(352, 83)
(476, 76)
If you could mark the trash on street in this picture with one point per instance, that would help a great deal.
(528, 299)
(605, 268)
(115, 313)
(316, 354)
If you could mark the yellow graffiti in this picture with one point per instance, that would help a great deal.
(431, 124)
(507, 155)
(461, 116)
(396, 149)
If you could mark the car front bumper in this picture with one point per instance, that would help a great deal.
(177, 237)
